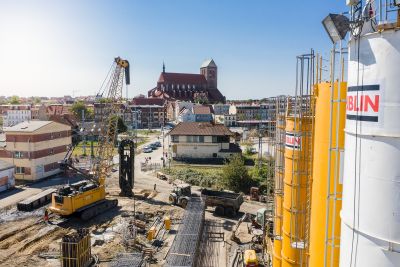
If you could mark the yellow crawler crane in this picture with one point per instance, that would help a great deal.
(88, 197)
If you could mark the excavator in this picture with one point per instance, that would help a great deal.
(87, 198)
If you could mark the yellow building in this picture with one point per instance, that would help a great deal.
(35, 148)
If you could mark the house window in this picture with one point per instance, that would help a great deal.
(175, 138)
(214, 139)
(201, 139)
(189, 139)
(20, 170)
(18, 154)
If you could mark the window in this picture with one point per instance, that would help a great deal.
(201, 139)
(175, 139)
(19, 170)
(214, 139)
(18, 154)
(189, 139)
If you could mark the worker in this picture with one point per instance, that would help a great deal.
(155, 186)
(46, 216)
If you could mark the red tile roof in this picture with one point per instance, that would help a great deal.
(200, 128)
(182, 78)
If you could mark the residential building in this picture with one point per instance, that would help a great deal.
(221, 109)
(186, 115)
(201, 87)
(35, 148)
(7, 180)
(180, 106)
(101, 108)
(230, 120)
(250, 116)
(149, 116)
(203, 113)
(202, 141)
(39, 112)
(15, 114)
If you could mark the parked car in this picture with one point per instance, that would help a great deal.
(147, 149)
(153, 146)
(158, 144)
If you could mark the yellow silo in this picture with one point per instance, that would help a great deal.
(324, 234)
(298, 159)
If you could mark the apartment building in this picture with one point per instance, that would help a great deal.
(14, 114)
(35, 148)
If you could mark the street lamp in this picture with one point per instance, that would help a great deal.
(337, 26)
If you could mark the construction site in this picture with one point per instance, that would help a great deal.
(332, 149)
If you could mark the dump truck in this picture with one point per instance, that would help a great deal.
(225, 203)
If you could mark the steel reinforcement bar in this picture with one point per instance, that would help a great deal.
(184, 250)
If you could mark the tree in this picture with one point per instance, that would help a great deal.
(37, 100)
(121, 127)
(14, 100)
(78, 108)
(235, 175)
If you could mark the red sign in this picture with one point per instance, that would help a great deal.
(293, 141)
(363, 103)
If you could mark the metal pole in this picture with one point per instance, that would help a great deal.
(329, 155)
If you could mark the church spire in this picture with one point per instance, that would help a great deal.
(163, 67)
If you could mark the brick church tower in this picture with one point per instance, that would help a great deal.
(210, 70)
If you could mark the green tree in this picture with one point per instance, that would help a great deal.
(37, 100)
(235, 175)
(14, 100)
(121, 127)
(78, 108)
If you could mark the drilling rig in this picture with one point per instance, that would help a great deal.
(87, 198)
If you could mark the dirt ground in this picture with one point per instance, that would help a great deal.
(26, 240)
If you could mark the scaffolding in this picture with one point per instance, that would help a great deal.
(335, 154)
(298, 165)
(279, 168)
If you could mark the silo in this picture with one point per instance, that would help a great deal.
(326, 186)
(370, 234)
(296, 195)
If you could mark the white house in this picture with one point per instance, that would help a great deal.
(202, 140)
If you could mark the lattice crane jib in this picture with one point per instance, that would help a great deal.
(111, 108)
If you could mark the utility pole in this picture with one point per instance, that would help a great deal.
(83, 132)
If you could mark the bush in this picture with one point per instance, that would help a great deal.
(203, 178)
(235, 175)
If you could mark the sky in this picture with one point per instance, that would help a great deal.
(57, 48)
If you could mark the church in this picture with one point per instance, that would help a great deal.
(201, 88)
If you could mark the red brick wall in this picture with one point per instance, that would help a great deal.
(36, 137)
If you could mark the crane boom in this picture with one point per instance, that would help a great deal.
(88, 197)
(109, 120)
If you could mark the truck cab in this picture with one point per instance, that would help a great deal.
(180, 195)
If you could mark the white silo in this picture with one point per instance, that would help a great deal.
(370, 234)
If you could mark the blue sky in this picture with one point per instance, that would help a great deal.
(56, 48)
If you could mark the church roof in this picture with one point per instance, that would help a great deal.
(208, 63)
(181, 78)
